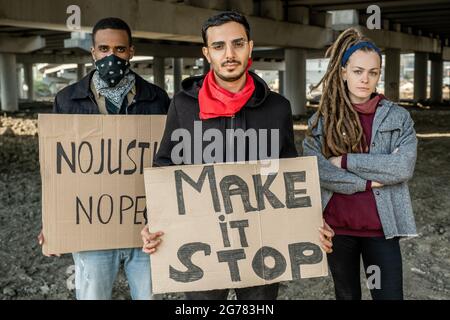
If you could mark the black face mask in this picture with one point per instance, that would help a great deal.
(112, 69)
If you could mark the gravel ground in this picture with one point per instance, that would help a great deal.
(26, 274)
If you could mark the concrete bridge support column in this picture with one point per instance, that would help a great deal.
(295, 76)
(420, 76)
(392, 74)
(436, 79)
(9, 82)
(159, 72)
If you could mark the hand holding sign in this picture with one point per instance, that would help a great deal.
(326, 237)
(151, 240)
(92, 179)
(41, 241)
(231, 226)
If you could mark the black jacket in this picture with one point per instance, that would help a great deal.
(264, 110)
(79, 99)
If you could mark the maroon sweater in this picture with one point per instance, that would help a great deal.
(356, 214)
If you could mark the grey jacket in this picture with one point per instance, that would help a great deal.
(390, 161)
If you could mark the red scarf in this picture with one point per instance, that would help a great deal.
(215, 101)
(370, 106)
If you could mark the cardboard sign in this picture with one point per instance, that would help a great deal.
(92, 166)
(229, 226)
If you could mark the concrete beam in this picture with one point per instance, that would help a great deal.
(271, 9)
(279, 54)
(168, 50)
(268, 53)
(326, 5)
(244, 6)
(397, 27)
(208, 4)
(20, 44)
(298, 15)
(403, 41)
(80, 40)
(321, 19)
(53, 59)
(141, 49)
(344, 19)
(316, 54)
(49, 14)
(446, 53)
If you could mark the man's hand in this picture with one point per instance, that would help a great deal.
(151, 240)
(375, 184)
(41, 242)
(326, 236)
(336, 161)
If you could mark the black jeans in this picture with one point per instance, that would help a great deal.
(344, 264)
(265, 292)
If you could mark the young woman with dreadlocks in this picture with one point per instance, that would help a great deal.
(366, 150)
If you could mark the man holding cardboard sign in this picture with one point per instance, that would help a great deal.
(226, 104)
(233, 226)
(111, 89)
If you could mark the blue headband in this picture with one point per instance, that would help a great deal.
(358, 46)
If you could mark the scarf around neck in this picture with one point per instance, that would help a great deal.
(115, 94)
(215, 101)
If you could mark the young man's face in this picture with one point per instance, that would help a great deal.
(112, 41)
(228, 50)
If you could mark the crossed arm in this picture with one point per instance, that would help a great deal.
(379, 169)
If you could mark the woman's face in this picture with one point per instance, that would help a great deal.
(362, 74)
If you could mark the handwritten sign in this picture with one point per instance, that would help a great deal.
(229, 226)
(92, 166)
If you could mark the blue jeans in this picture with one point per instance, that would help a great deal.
(96, 271)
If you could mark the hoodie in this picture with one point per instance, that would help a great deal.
(264, 110)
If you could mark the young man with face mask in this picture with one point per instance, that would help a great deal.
(112, 88)
(229, 97)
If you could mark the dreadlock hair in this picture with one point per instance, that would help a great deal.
(342, 130)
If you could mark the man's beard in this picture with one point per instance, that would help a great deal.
(233, 78)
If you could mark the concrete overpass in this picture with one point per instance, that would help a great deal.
(286, 33)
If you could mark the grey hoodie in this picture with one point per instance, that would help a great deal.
(390, 161)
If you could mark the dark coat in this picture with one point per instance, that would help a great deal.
(264, 110)
(79, 99)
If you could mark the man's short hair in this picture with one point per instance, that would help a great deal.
(112, 23)
(222, 18)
